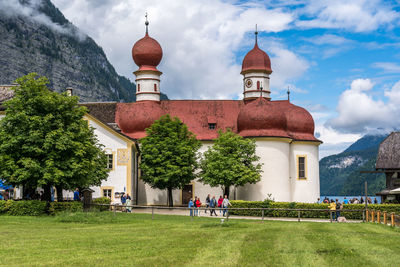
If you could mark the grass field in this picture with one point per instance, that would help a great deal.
(99, 239)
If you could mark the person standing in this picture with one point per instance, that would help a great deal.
(190, 206)
(345, 201)
(207, 203)
(332, 208)
(123, 201)
(225, 204)
(196, 212)
(128, 204)
(339, 207)
(220, 203)
(198, 206)
(213, 204)
(76, 195)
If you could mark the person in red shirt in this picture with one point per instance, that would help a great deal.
(198, 204)
(220, 203)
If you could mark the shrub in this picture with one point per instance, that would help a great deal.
(56, 207)
(304, 214)
(37, 207)
(101, 200)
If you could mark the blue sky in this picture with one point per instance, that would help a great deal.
(339, 58)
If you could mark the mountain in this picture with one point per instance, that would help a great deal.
(36, 37)
(340, 173)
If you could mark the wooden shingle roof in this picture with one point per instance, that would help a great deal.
(389, 152)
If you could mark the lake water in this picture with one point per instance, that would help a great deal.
(341, 198)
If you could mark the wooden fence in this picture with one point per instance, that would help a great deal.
(384, 217)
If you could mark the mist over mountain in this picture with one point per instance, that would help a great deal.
(36, 37)
(340, 173)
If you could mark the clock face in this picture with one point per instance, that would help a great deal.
(249, 83)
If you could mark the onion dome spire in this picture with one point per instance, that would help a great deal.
(147, 24)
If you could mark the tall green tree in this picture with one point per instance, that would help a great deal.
(45, 142)
(168, 155)
(230, 161)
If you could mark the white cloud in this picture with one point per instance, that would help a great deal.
(387, 67)
(199, 39)
(359, 112)
(31, 10)
(355, 15)
(328, 39)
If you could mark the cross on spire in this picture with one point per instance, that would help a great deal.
(256, 33)
(147, 24)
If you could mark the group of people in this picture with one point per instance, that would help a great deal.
(126, 200)
(335, 207)
(211, 204)
(350, 201)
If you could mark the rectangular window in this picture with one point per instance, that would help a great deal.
(212, 126)
(110, 163)
(107, 193)
(301, 167)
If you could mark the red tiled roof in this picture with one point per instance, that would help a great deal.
(133, 118)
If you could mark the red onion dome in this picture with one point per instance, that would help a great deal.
(256, 60)
(300, 123)
(134, 118)
(261, 118)
(147, 52)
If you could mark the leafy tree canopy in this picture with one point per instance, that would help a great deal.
(232, 160)
(168, 155)
(44, 140)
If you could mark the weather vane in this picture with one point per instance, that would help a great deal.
(146, 23)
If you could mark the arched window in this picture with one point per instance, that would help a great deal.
(258, 85)
(155, 87)
(138, 87)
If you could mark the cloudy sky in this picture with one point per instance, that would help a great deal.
(339, 58)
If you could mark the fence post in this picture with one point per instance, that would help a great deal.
(262, 212)
(227, 214)
(363, 215)
(392, 218)
(385, 217)
(152, 213)
(378, 216)
(372, 216)
(330, 216)
(298, 216)
(366, 215)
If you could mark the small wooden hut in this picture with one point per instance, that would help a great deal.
(388, 161)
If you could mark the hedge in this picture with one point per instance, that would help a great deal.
(36, 207)
(304, 214)
(101, 200)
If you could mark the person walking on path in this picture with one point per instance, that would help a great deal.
(220, 203)
(332, 208)
(128, 203)
(196, 211)
(123, 201)
(198, 205)
(213, 204)
(190, 206)
(225, 204)
(76, 195)
(207, 203)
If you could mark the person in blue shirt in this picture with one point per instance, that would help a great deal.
(76, 195)
(190, 206)
(345, 201)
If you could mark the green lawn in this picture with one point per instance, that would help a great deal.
(135, 240)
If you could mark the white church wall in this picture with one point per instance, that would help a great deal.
(305, 190)
(275, 177)
(117, 178)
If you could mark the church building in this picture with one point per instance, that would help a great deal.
(284, 132)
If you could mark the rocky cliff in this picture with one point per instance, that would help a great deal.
(36, 37)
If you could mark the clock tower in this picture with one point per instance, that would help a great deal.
(256, 68)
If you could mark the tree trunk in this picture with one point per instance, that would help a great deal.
(47, 193)
(226, 190)
(60, 196)
(170, 201)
